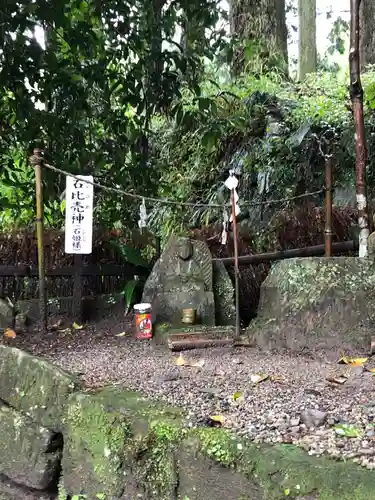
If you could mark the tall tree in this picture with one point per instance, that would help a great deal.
(367, 25)
(260, 25)
(307, 53)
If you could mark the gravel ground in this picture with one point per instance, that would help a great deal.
(296, 404)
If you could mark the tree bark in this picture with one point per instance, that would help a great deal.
(356, 94)
(307, 54)
(261, 22)
(367, 30)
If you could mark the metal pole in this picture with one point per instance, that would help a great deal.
(328, 208)
(37, 163)
(236, 268)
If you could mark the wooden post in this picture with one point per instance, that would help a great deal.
(77, 289)
(37, 162)
(356, 94)
(236, 268)
(328, 208)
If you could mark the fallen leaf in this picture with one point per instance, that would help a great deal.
(347, 430)
(238, 397)
(372, 370)
(77, 327)
(57, 325)
(122, 334)
(217, 418)
(337, 380)
(198, 364)
(65, 330)
(256, 378)
(287, 492)
(9, 333)
(180, 361)
(279, 379)
(352, 361)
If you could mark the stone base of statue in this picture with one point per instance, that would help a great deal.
(168, 307)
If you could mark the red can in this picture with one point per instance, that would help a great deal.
(143, 321)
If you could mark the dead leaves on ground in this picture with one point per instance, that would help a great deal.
(181, 361)
(9, 333)
(351, 366)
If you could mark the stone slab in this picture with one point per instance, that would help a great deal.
(29, 454)
(34, 386)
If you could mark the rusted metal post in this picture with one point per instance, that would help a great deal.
(328, 208)
(236, 268)
(37, 162)
(356, 94)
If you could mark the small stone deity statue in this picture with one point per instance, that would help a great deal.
(182, 278)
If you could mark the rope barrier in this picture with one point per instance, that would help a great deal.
(35, 159)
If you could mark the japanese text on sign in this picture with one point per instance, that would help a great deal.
(78, 215)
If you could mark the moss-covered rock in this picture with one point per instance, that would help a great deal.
(317, 303)
(34, 386)
(124, 446)
(112, 443)
(29, 454)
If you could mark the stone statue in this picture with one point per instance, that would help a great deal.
(180, 279)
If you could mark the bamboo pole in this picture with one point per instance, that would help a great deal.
(236, 268)
(328, 208)
(356, 94)
(37, 161)
(314, 251)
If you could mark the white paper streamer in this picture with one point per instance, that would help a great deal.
(231, 183)
(142, 223)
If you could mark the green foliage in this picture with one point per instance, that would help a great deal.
(228, 127)
(128, 294)
(87, 91)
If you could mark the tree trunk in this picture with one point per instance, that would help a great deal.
(307, 57)
(367, 40)
(262, 23)
(356, 94)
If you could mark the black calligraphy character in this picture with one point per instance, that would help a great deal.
(78, 207)
(77, 218)
(78, 184)
(77, 245)
(79, 195)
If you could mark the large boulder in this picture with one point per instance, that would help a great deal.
(29, 454)
(34, 386)
(317, 303)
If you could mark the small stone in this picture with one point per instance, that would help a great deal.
(294, 430)
(313, 418)
(295, 421)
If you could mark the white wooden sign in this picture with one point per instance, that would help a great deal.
(79, 215)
